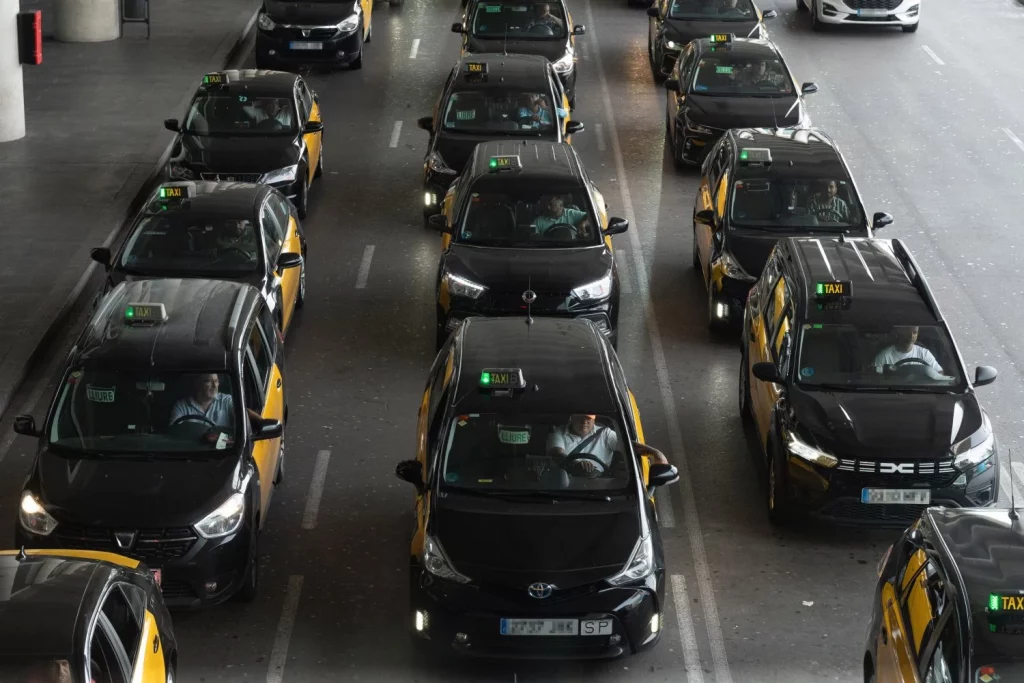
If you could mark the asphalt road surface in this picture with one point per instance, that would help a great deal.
(932, 125)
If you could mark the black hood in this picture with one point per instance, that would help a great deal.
(456, 148)
(724, 111)
(887, 425)
(682, 31)
(553, 48)
(117, 276)
(140, 493)
(532, 542)
(308, 13)
(241, 154)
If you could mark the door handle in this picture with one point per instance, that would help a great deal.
(278, 382)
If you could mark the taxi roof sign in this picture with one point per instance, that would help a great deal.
(502, 378)
(177, 190)
(215, 78)
(476, 67)
(833, 289)
(510, 162)
(722, 37)
(145, 314)
(755, 155)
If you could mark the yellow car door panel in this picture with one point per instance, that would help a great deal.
(150, 664)
(290, 276)
(270, 449)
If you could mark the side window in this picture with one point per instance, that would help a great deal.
(305, 97)
(772, 307)
(718, 163)
(269, 328)
(301, 104)
(782, 345)
(280, 207)
(126, 621)
(254, 395)
(924, 598)
(437, 387)
(260, 354)
(683, 64)
(944, 665)
(108, 661)
(768, 278)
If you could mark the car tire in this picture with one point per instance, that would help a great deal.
(300, 298)
(777, 499)
(677, 152)
(816, 24)
(912, 28)
(302, 201)
(251, 586)
(357, 63)
(746, 412)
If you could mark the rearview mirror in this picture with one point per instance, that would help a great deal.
(769, 14)
(25, 425)
(672, 85)
(767, 372)
(808, 88)
(984, 374)
(172, 125)
(313, 127)
(616, 226)
(289, 259)
(661, 474)
(579, 30)
(573, 127)
(456, 28)
(412, 472)
(653, 12)
(881, 219)
(101, 255)
(705, 217)
(268, 429)
(439, 222)
(426, 123)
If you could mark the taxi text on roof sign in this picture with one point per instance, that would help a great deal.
(756, 155)
(502, 378)
(213, 79)
(1005, 603)
(476, 67)
(144, 314)
(505, 163)
(833, 289)
(721, 38)
(177, 191)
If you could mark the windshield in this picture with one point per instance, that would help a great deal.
(142, 412)
(501, 111)
(214, 113)
(181, 242)
(536, 453)
(718, 10)
(884, 357)
(519, 20)
(785, 204)
(19, 669)
(511, 212)
(726, 73)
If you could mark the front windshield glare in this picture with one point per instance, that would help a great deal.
(519, 20)
(225, 114)
(788, 204)
(142, 412)
(721, 10)
(536, 453)
(528, 214)
(731, 74)
(182, 242)
(885, 357)
(501, 111)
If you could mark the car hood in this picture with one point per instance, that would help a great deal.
(876, 425)
(553, 49)
(682, 31)
(242, 154)
(555, 271)
(118, 276)
(308, 13)
(142, 493)
(753, 247)
(456, 148)
(725, 112)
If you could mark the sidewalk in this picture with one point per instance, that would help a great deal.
(94, 113)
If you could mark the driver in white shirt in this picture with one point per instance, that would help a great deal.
(905, 347)
(580, 436)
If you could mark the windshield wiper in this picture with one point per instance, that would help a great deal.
(879, 389)
(502, 494)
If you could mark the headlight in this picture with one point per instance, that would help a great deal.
(640, 564)
(967, 458)
(809, 452)
(265, 22)
(565, 63)
(179, 172)
(435, 562)
(349, 24)
(224, 520)
(437, 165)
(33, 517)
(698, 128)
(281, 175)
(672, 45)
(460, 286)
(733, 269)
(596, 290)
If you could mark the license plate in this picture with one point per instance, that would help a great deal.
(299, 45)
(158, 576)
(872, 13)
(540, 627)
(896, 496)
(596, 627)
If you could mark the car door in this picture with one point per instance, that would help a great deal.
(712, 192)
(264, 392)
(285, 228)
(602, 211)
(309, 110)
(764, 326)
(125, 607)
(367, 6)
(284, 281)
(911, 612)
(427, 431)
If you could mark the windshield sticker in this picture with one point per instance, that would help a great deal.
(493, 8)
(451, 477)
(465, 114)
(485, 481)
(700, 87)
(807, 372)
(99, 394)
(514, 437)
(243, 98)
(723, 69)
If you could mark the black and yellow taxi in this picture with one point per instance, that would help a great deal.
(251, 126)
(758, 185)
(536, 535)
(722, 82)
(528, 27)
(163, 441)
(294, 34)
(82, 617)
(525, 228)
(949, 603)
(674, 23)
(859, 399)
(491, 97)
(223, 231)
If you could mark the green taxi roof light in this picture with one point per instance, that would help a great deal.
(129, 312)
(485, 378)
(743, 155)
(993, 602)
(494, 164)
(819, 289)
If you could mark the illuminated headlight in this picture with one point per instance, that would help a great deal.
(655, 623)
(179, 172)
(728, 263)
(224, 520)
(460, 286)
(265, 22)
(281, 175)
(673, 45)
(33, 517)
(436, 164)
(640, 564)
(429, 199)
(349, 24)
(596, 290)
(565, 63)
(809, 453)
(420, 620)
(435, 562)
(967, 457)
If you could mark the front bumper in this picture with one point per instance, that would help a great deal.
(467, 619)
(276, 47)
(876, 12)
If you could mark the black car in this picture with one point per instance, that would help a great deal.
(529, 27)
(323, 32)
(254, 127)
(949, 602)
(674, 23)
(758, 185)
(222, 231)
(725, 82)
(163, 438)
(527, 229)
(491, 97)
(860, 402)
(537, 534)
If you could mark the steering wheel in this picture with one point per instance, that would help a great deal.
(269, 124)
(830, 215)
(565, 226)
(224, 251)
(585, 456)
(911, 361)
(764, 83)
(542, 29)
(194, 418)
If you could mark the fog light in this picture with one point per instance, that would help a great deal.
(421, 620)
(614, 640)
(429, 199)
(462, 638)
(210, 586)
(655, 623)
(721, 310)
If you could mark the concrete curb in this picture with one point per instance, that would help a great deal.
(15, 366)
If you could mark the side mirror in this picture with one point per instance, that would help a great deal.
(313, 127)
(172, 125)
(653, 12)
(808, 88)
(616, 226)
(769, 14)
(573, 127)
(767, 372)
(661, 474)
(881, 219)
(25, 425)
(456, 28)
(289, 259)
(672, 85)
(705, 217)
(101, 255)
(268, 429)
(412, 472)
(426, 123)
(983, 374)
(439, 222)
(579, 30)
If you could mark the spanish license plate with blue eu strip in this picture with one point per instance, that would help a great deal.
(896, 496)
(540, 627)
(300, 45)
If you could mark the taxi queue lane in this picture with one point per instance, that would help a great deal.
(748, 602)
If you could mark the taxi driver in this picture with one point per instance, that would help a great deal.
(209, 405)
(582, 436)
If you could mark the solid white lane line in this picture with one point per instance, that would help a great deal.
(316, 490)
(622, 263)
(364, 267)
(415, 48)
(279, 655)
(677, 454)
(599, 132)
(395, 133)
(932, 54)
(691, 654)
(1016, 140)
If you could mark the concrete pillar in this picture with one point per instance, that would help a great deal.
(12, 93)
(86, 21)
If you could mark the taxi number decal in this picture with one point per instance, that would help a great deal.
(99, 394)
(515, 437)
(465, 114)
(723, 69)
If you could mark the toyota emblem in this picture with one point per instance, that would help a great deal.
(529, 296)
(540, 590)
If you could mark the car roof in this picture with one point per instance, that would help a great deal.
(739, 46)
(887, 287)
(204, 319)
(252, 82)
(796, 152)
(563, 361)
(209, 197)
(540, 159)
(503, 71)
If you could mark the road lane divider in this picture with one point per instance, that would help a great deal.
(691, 653)
(931, 53)
(599, 134)
(283, 636)
(316, 490)
(1014, 139)
(396, 132)
(415, 48)
(364, 267)
(622, 263)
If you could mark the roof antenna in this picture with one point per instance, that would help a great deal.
(1013, 502)
(504, 41)
(529, 296)
(775, 116)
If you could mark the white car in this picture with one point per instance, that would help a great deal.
(903, 13)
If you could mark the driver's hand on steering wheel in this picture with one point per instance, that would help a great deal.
(587, 466)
